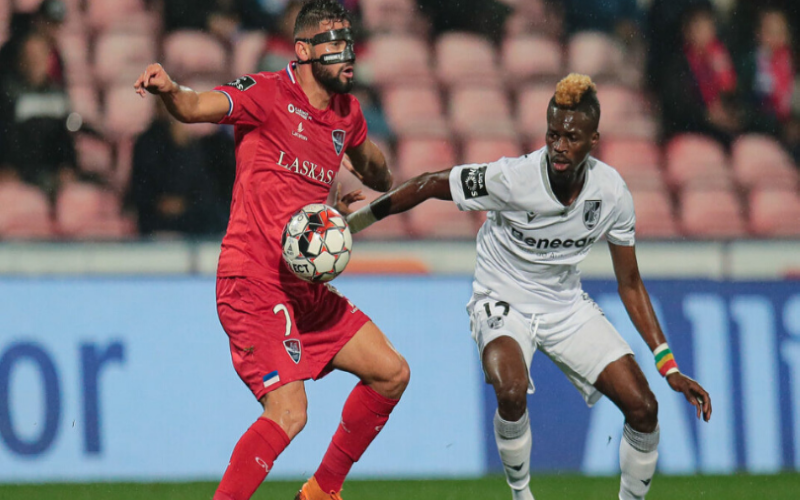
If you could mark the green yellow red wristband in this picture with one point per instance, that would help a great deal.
(665, 361)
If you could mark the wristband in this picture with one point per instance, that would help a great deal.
(665, 361)
(361, 219)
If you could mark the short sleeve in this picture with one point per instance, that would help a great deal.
(359, 128)
(482, 186)
(623, 229)
(250, 98)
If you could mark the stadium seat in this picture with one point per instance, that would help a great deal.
(74, 48)
(698, 161)
(637, 160)
(121, 57)
(195, 53)
(532, 101)
(775, 211)
(85, 101)
(389, 16)
(121, 16)
(441, 219)
(760, 160)
(25, 5)
(127, 114)
(247, 52)
(465, 58)
(94, 155)
(397, 59)
(414, 109)
(624, 113)
(654, 214)
(712, 213)
(86, 211)
(417, 155)
(480, 111)
(25, 213)
(530, 57)
(595, 54)
(479, 150)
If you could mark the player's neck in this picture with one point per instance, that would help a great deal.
(568, 189)
(317, 95)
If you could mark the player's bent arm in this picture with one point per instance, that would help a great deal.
(634, 295)
(189, 106)
(405, 197)
(369, 162)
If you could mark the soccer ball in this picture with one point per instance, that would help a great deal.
(316, 243)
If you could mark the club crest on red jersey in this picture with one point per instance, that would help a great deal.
(293, 349)
(338, 140)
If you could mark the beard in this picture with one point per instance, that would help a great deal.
(330, 81)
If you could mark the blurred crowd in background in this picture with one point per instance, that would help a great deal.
(700, 106)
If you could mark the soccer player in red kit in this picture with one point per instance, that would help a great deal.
(292, 129)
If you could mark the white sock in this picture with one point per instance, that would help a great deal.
(514, 444)
(637, 461)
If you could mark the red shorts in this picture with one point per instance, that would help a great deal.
(284, 332)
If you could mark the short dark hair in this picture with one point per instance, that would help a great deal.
(317, 11)
(577, 92)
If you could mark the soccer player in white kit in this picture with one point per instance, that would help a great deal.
(545, 211)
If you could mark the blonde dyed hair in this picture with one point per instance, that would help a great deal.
(572, 88)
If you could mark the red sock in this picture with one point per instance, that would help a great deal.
(364, 415)
(252, 459)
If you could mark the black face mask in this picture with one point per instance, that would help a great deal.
(347, 55)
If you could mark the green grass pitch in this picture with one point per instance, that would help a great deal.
(566, 487)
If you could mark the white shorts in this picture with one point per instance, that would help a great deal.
(579, 339)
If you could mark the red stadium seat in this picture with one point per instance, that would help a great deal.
(121, 57)
(481, 111)
(417, 155)
(414, 109)
(465, 58)
(624, 113)
(530, 57)
(637, 160)
(195, 53)
(94, 155)
(712, 213)
(775, 211)
(760, 160)
(479, 150)
(74, 48)
(127, 16)
(532, 102)
(25, 213)
(87, 211)
(595, 54)
(85, 101)
(25, 5)
(695, 160)
(389, 16)
(127, 114)
(442, 219)
(654, 214)
(394, 59)
(247, 52)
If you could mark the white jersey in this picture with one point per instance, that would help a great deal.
(531, 244)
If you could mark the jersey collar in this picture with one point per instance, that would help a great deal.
(290, 69)
(543, 163)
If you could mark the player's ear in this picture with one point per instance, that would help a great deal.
(595, 139)
(303, 50)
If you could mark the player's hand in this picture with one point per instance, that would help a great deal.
(348, 164)
(154, 80)
(342, 203)
(693, 392)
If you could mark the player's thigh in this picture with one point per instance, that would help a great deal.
(624, 383)
(371, 357)
(265, 344)
(505, 343)
(586, 351)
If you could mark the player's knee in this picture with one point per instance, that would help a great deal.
(512, 398)
(401, 375)
(643, 416)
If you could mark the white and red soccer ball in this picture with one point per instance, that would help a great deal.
(316, 243)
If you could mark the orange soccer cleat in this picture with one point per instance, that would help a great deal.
(312, 491)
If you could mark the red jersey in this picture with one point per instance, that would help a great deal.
(287, 156)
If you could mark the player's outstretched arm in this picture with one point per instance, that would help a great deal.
(367, 162)
(182, 102)
(637, 302)
(405, 197)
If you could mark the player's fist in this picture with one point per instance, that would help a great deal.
(154, 80)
